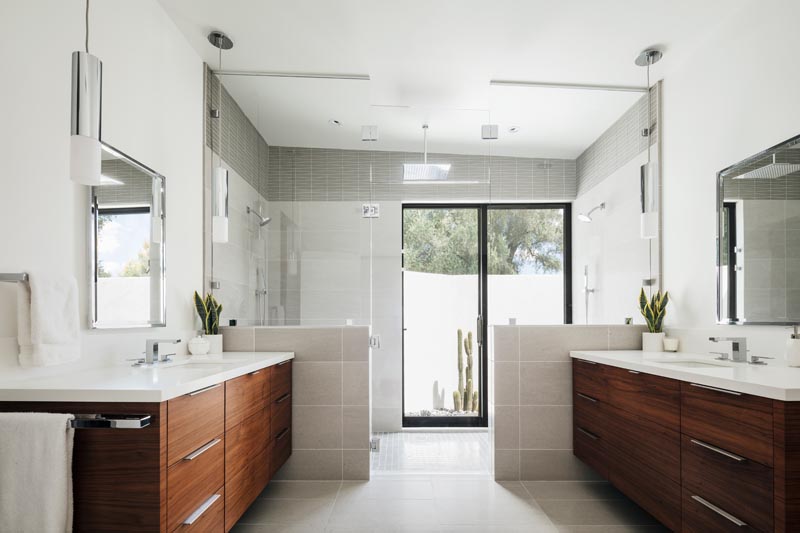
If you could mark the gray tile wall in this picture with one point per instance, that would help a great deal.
(137, 188)
(619, 143)
(533, 396)
(330, 396)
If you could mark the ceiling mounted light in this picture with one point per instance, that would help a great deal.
(649, 171)
(489, 132)
(415, 172)
(87, 92)
(334, 122)
(513, 129)
(219, 186)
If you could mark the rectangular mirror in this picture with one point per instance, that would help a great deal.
(126, 236)
(758, 238)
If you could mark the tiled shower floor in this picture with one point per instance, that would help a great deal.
(432, 452)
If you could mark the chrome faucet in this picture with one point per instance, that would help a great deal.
(151, 354)
(739, 347)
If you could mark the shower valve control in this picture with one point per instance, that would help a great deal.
(370, 210)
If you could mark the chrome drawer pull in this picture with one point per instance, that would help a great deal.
(734, 393)
(283, 398)
(282, 434)
(254, 373)
(587, 362)
(206, 389)
(720, 451)
(633, 372)
(593, 400)
(588, 433)
(284, 362)
(719, 511)
(200, 510)
(201, 450)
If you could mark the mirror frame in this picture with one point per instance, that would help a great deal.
(92, 248)
(720, 223)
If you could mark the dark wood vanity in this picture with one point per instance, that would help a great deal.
(206, 455)
(700, 459)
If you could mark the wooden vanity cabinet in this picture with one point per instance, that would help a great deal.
(204, 458)
(698, 458)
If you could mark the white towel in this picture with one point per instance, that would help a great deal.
(47, 318)
(35, 472)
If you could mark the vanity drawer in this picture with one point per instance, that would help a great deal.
(281, 379)
(588, 378)
(589, 447)
(209, 517)
(281, 450)
(245, 441)
(243, 488)
(588, 413)
(736, 422)
(193, 480)
(246, 396)
(701, 515)
(649, 396)
(730, 481)
(193, 420)
(658, 496)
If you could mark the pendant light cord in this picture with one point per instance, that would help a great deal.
(86, 21)
(649, 121)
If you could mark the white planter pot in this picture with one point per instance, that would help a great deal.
(199, 346)
(215, 342)
(653, 342)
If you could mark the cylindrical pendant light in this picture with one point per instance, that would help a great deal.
(219, 180)
(87, 92)
(649, 171)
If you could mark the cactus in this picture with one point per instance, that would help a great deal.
(465, 398)
(459, 405)
(475, 400)
(456, 400)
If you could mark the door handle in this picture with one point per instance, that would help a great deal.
(479, 329)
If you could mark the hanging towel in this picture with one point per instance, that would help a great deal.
(35, 472)
(47, 320)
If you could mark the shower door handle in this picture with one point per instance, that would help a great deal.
(479, 328)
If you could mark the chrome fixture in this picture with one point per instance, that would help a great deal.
(219, 214)
(151, 353)
(739, 347)
(14, 278)
(772, 169)
(587, 217)
(759, 360)
(568, 86)
(87, 95)
(417, 173)
(586, 290)
(107, 421)
(308, 75)
(649, 171)
(262, 221)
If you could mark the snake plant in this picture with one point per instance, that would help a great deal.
(654, 310)
(209, 311)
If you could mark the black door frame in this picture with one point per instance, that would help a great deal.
(482, 209)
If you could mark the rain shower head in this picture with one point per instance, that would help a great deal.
(587, 217)
(262, 221)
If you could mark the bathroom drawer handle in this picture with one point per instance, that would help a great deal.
(593, 400)
(283, 398)
(737, 458)
(587, 362)
(719, 511)
(284, 362)
(206, 389)
(201, 450)
(633, 372)
(282, 434)
(734, 393)
(200, 510)
(588, 433)
(254, 373)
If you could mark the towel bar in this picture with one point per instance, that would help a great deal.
(13, 278)
(113, 421)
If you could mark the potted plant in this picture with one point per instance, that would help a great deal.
(209, 311)
(653, 310)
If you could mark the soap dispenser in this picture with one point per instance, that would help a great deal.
(793, 349)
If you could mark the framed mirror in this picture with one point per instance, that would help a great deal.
(758, 238)
(127, 248)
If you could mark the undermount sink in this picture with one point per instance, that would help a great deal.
(694, 363)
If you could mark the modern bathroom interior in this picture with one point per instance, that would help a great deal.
(420, 266)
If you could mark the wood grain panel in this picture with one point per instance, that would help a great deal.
(190, 483)
(739, 423)
(589, 448)
(281, 379)
(211, 521)
(652, 397)
(657, 495)
(699, 519)
(243, 489)
(245, 396)
(729, 482)
(104, 457)
(786, 419)
(246, 441)
(588, 413)
(588, 378)
(281, 417)
(194, 419)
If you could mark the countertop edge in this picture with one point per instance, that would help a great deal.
(755, 389)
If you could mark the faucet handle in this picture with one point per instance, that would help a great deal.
(721, 356)
(758, 360)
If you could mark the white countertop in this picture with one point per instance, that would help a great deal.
(125, 383)
(773, 380)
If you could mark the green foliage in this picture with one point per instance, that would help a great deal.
(445, 241)
(654, 310)
(139, 267)
(209, 311)
(465, 399)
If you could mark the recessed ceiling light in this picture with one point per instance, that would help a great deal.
(334, 122)
(513, 129)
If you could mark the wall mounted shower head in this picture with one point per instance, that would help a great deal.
(262, 221)
(587, 217)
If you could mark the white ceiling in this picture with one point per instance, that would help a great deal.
(433, 60)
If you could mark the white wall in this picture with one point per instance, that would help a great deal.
(735, 96)
(611, 245)
(152, 109)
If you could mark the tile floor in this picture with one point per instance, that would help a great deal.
(443, 503)
(432, 452)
